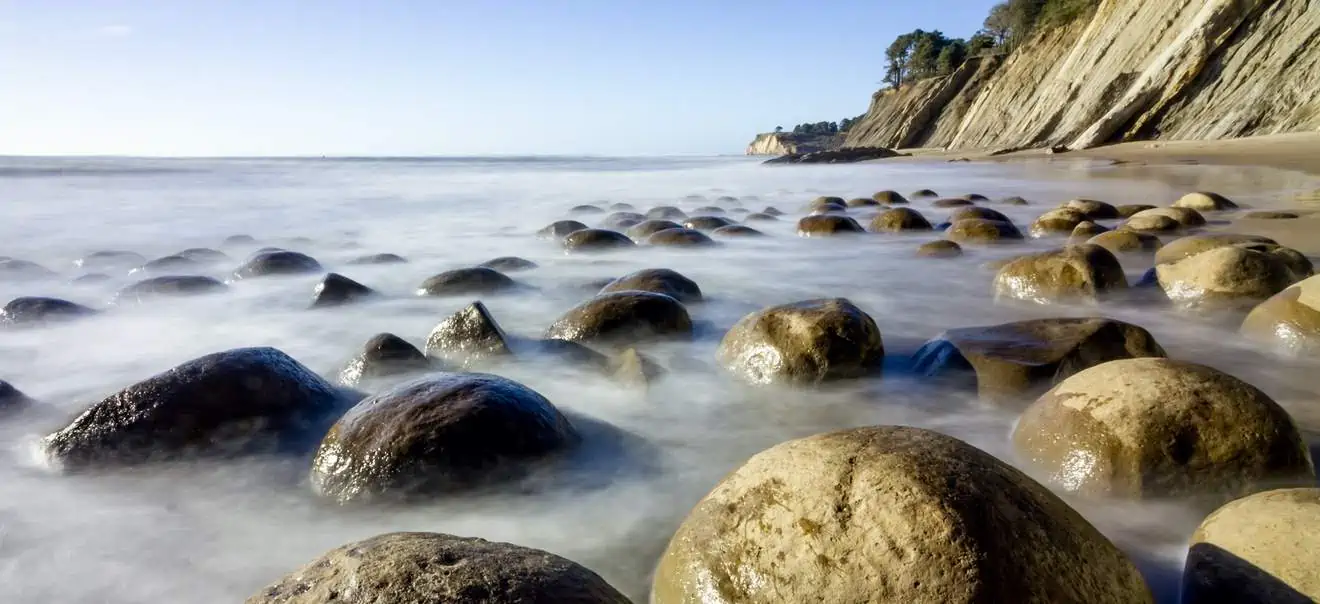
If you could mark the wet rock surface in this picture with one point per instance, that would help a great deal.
(466, 282)
(626, 316)
(469, 337)
(659, 281)
(385, 355)
(338, 290)
(1077, 273)
(828, 225)
(596, 240)
(36, 311)
(275, 263)
(181, 285)
(803, 343)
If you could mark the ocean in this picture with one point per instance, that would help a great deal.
(218, 532)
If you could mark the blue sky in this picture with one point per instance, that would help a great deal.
(439, 77)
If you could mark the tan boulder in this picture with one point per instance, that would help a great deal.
(1076, 273)
(1224, 278)
(1056, 221)
(1205, 201)
(1150, 428)
(596, 240)
(827, 203)
(1125, 241)
(1086, 230)
(899, 219)
(1261, 549)
(977, 230)
(973, 212)
(680, 237)
(1192, 245)
(803, 343)
(1015, 359)
(433, 567)
(889, 198)
(862, 202)
(888, 514)
(827, 225)
(942, 248)
(923, 193)
(1289, 319)
(1151, 223)
(1092, 209)
(952, 202)
(1186, 217)
(1128, 210)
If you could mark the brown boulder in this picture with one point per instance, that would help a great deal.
(1092, 209)
(982, 231)
(658, 281)
(889, 198)
(1056, 221)
(1192, 245)
(1124, 241)
(803, 343)
(942, 248)
(467, 281)
(828, 225)
(596, 240)
(1078, 273)
(626, 316)
(1261, 549)
(680, 237)
(642, 230)
(468, 338)
(1289, 319)
(976, 212)
(895, 220)
(561, 229)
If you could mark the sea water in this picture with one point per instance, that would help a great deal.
(218, 532)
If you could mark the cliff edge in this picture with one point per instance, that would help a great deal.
(1135, 69)
(786, 143)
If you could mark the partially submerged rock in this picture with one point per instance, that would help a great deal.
(110, 260)
(889, 198)
(385, 355)
(975, 212)
(13, 269)
(1205, 201)
(982, 231)
(36, 311)
(1125, 241)
(828, 225)
(1149, 428)
(468, 338)
(276, 263)
(803, 343)
(246, 400)
(1185, 217)
(509, 264)
(1192, 245)
(11, 399)
(432, 567)
(1077, 273)
(1225, 278)
(561, 229)
(596, 240)
(623, 317)
(1092, 209)
(706, 223)
(659, 281)
(622, 220)
(736, 231)
(1017, 359)
(338, 290)
(179, 285)
(466, 282)
(888, 514)
(896, 220)
(1057, 221)
(680, 237)
(440, 434)
(939, 249)
(666, 213)
(385, 258)
(1289, 319)
(642, 230)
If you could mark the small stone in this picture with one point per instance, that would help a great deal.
(828, 225)
(338, 290)
(1205, 201)
(509, 264)
(940, 249)
(468, 338)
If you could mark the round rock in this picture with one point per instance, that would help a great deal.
(889, 198)
(596, 240)
(1056, 221)
(737, 231)
(277, 262)
(467, 281)
(896, 220)
(1077, 273)
(952, 202)
(13, 269)
(1289, 319)
(939, 249)
(110, 260)
(509, 264)
(646, 228)
(888, 514)
(1148, 428)
(1260, 549)
(803, 343)
(1124, 241)
(439, 434)
(923, 193)
(469, 337)
(561, 229)
(1227, 278)
(182, 285)
(1192, 245)
(623, 317)
(338, 290)
(385, 258)
(666, 213)
(828, 225)
(706, 223)
(622, 220)
(680, 237)
(982, 231)
(760, 217)
(1092, 209)
(1129, 210)
(385, 355)
(1205, 201)
(658, 281)
(36, 311)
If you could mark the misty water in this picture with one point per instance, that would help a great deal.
(218, 532)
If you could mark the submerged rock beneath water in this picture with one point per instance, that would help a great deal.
(1151, 428)
(241, 401)
(110, 260)
(1019, 358)
(440, 434)
(277, 262)
(657, 280)
(13, 269)
(172, 286)
(1077, 273)
(466, 282)
(385, 258)
(596, 240)
(561, 229)
(623, 317)
(338, 290)
(37, 311)
(666, 213)
(889, 198)
(385, 355)
(804, 343)
(958, 525)
(432, 567)
(469, 337)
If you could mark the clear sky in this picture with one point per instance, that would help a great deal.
(439, 77)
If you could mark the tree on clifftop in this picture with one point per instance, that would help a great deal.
(922, 54)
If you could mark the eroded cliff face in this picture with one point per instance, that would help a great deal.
(785, 143)
(1175, 69)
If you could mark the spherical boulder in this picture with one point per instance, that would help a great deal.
(1261, 549)
(760, 217)
(1021, 358)
(1205, 201)
(644, 229)
(13, 269)
(509, 264)
(1014, 201)
(706, 223)
(237, 240)
(1289, 319)
(1225, 278)
(976, 212)
(1129, 210)
(179, 285)
(666, 213)
(923, 193)
(1056, 221)
(338, 290)
(622, 220)
(900, 219)
(442, 433)
(773, 211)
(1192, 245)
(803, 343)
(658, 281)
(468, 338)
(1151, 223)
(827, 203)
(975, 197)
(110, 260)
(622, 207)
(385, 258)
(36, 311)
(433, 567)
(596, 240)
(1125, 241)
(467, 281)
(827, 225)
(975, 230)
(1077, 273)
(385, 355)
(240, 401)
(561, 229)
(1092, 209)
(1152, 427)
(1086, 230)
(952, 202)
(275, 263)
(173, 264)
(889, 198)
(680, 237)
(204, 255)
(942, 248)
(623, 317)
(888, 514)
(1186, 217)
(862, 202)
(736, 231)
(586, 210)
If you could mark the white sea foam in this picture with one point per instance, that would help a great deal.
(218, 532)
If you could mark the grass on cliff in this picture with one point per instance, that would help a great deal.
(1058, 13)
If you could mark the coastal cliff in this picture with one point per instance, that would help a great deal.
(1133, 70)
(785, 143)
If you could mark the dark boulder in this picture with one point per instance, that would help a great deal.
(622, 220)
(760, 217)
(178, 285)
(951, 202)
(385, 355)
(737, 230)
(658, 281)
(436, 568)
(110, 260)
(828, 225)
(338, 290)
(90, 279)
(708, 211)
(234, 240)
(1025, 358)
(596, 240)
(976, 212)
(836, 156)
(469, 337)
(1132, 209)
(642, 230)
(509, 264)
(706, 223)
(862, 202)
(385, 258)
(627, 317)
(889, 198)
(561, 229)
(924, 193)
(773, 211)
(204, 255)
(13, 269)
(465, 282)
(622, 207)
(241, 401)
(680, 238)
(983, 231)
(585, 210)
(666, 213)
(35, 311)
(11, 399)
(439, 434)
(277, 263)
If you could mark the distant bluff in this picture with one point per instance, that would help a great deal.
(787, 143)
(1127, 70)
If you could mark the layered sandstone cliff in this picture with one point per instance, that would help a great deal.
(1136, 69)
(785, 143)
